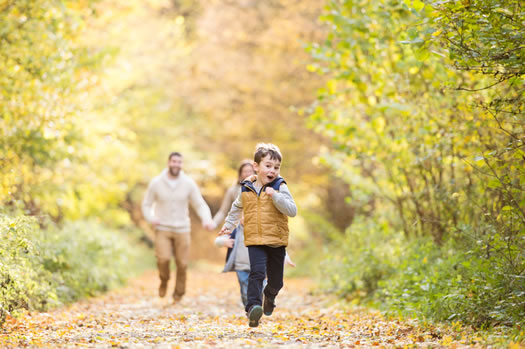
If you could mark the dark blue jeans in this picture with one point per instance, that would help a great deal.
(242, 276)
(265, 261)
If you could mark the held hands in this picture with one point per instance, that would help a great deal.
(224, 231)
(229, 243)
(209, 225)
(270, 191)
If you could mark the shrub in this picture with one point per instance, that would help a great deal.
(43, 268)
(464, 280)
(475, 276)
(367, 253)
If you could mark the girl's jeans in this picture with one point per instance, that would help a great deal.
(242, 276)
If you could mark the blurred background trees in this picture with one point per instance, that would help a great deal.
(156, 76)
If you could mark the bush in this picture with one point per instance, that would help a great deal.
(458, 281)
(367, 253)
(476, 280)
(43, 268)
(420, 282)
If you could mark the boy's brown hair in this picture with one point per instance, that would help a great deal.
(264, 149)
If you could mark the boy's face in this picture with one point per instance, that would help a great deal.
(267, 170)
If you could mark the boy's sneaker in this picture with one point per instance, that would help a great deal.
(268, 305)
(254, 315)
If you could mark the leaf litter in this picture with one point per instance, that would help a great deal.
(211, 316)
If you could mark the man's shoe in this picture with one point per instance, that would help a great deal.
(268, 305)
(254, 315)
(163, 288)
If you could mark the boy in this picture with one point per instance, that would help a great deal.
(266, 204)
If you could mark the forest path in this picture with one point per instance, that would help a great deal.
(210, 315)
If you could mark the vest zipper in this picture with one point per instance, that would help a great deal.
(259, 226)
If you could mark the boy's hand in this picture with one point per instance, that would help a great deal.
(270, 191)
(224, 231)
(229, 243)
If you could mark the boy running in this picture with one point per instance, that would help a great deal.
(266, 203)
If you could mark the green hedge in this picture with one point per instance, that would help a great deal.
(43, 268)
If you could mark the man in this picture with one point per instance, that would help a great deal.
(165, 206)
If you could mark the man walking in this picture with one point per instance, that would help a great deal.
(165, 205)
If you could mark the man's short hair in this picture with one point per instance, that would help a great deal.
(264, 149)
(174, 153)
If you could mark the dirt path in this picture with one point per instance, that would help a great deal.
(211, 316)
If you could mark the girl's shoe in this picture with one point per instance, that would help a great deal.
(254, 315)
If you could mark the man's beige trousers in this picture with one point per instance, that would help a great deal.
(167, 245)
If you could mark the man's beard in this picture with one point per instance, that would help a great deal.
(174, 171)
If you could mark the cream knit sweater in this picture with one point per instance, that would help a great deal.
(168, 204)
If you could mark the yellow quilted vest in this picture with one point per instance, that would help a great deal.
(264, 224)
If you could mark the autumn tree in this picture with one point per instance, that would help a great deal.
(424, 106)
(41, 75)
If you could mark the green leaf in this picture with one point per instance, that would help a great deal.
(494, 184)
(422, 54)
(418, 5)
